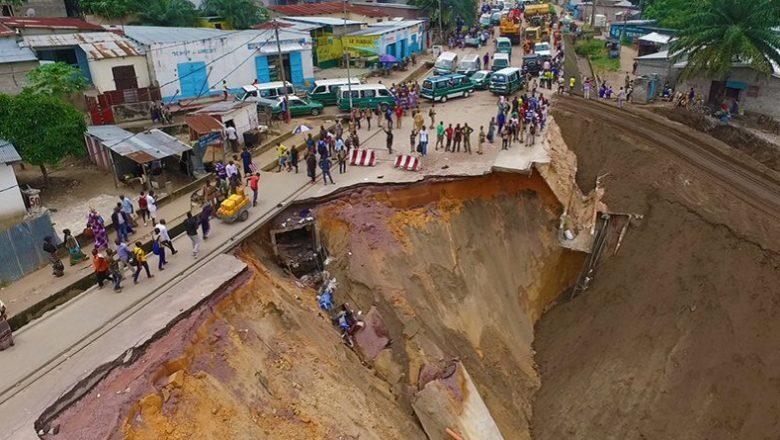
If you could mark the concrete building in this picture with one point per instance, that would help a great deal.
(109, 61)
(15, 63)
(652, 43)
(656, 64)
(399, 38)
(752, 91)
(192, 62)
(11, 201)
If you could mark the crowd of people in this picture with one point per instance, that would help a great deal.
(605, 91)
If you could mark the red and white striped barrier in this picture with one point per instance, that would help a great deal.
(407, 162)
(365, 158)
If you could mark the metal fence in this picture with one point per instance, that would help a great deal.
(21, 247)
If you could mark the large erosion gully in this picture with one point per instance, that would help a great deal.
(85, 385)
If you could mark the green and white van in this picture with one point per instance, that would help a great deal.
(266, 90)
(500, 61)
(365, 96)
(326, 90)
(446, 63)
(506, 81)
(504, 45)
(441, 88)
(470, 64)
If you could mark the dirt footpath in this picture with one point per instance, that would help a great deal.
(677, 337)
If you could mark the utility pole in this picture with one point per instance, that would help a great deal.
(343, 49)
(593, 13)
(281, 72)
(441, 28)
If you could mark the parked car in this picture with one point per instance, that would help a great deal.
(298, 106)
(481, 79)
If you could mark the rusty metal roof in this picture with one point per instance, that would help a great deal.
(141, 147)
(328, 8)
(49, 23)
(202, 123)
(97, 45)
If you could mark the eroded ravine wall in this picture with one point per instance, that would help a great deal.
(458, 270)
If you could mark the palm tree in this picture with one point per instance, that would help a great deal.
(720, 33)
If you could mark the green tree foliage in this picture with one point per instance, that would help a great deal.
(55, 79)
(109, 8)
(722, 32)
(174, 13)
(240, 14)
(670, 13)
(42, 127)
(450, 10)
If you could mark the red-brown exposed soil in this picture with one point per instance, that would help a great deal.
(677, 337)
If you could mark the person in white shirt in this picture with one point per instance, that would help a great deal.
(165, 239)
(151, 206)
(232, 137)
(424, 141)
(232, 174)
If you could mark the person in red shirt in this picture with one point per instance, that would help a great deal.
(101, 267)
(143, 207)
(399, 112)
(449, 132)
(254, 181)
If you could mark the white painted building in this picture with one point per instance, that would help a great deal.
(109, 61)
(11, 201)
(188, 63)
(241, 115)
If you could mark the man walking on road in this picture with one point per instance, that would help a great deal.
(140, 262)
(432, 115)
(253, 181)
(100, 265)
(191, 227)
(165, 239)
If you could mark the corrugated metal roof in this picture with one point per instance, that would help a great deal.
(49, 23)
(327, 8)
(10, 52)
(141, 147)
(291, 25)
(224, 107)
(149, 35)
(202, 124)
(325, 21)
(655, 37)
(386, 27)
(8, 153)
(97, 45)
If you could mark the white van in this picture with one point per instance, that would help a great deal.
(500, 61)
(265, 90)
(325, 90)
(446, 63)
(470, 64)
